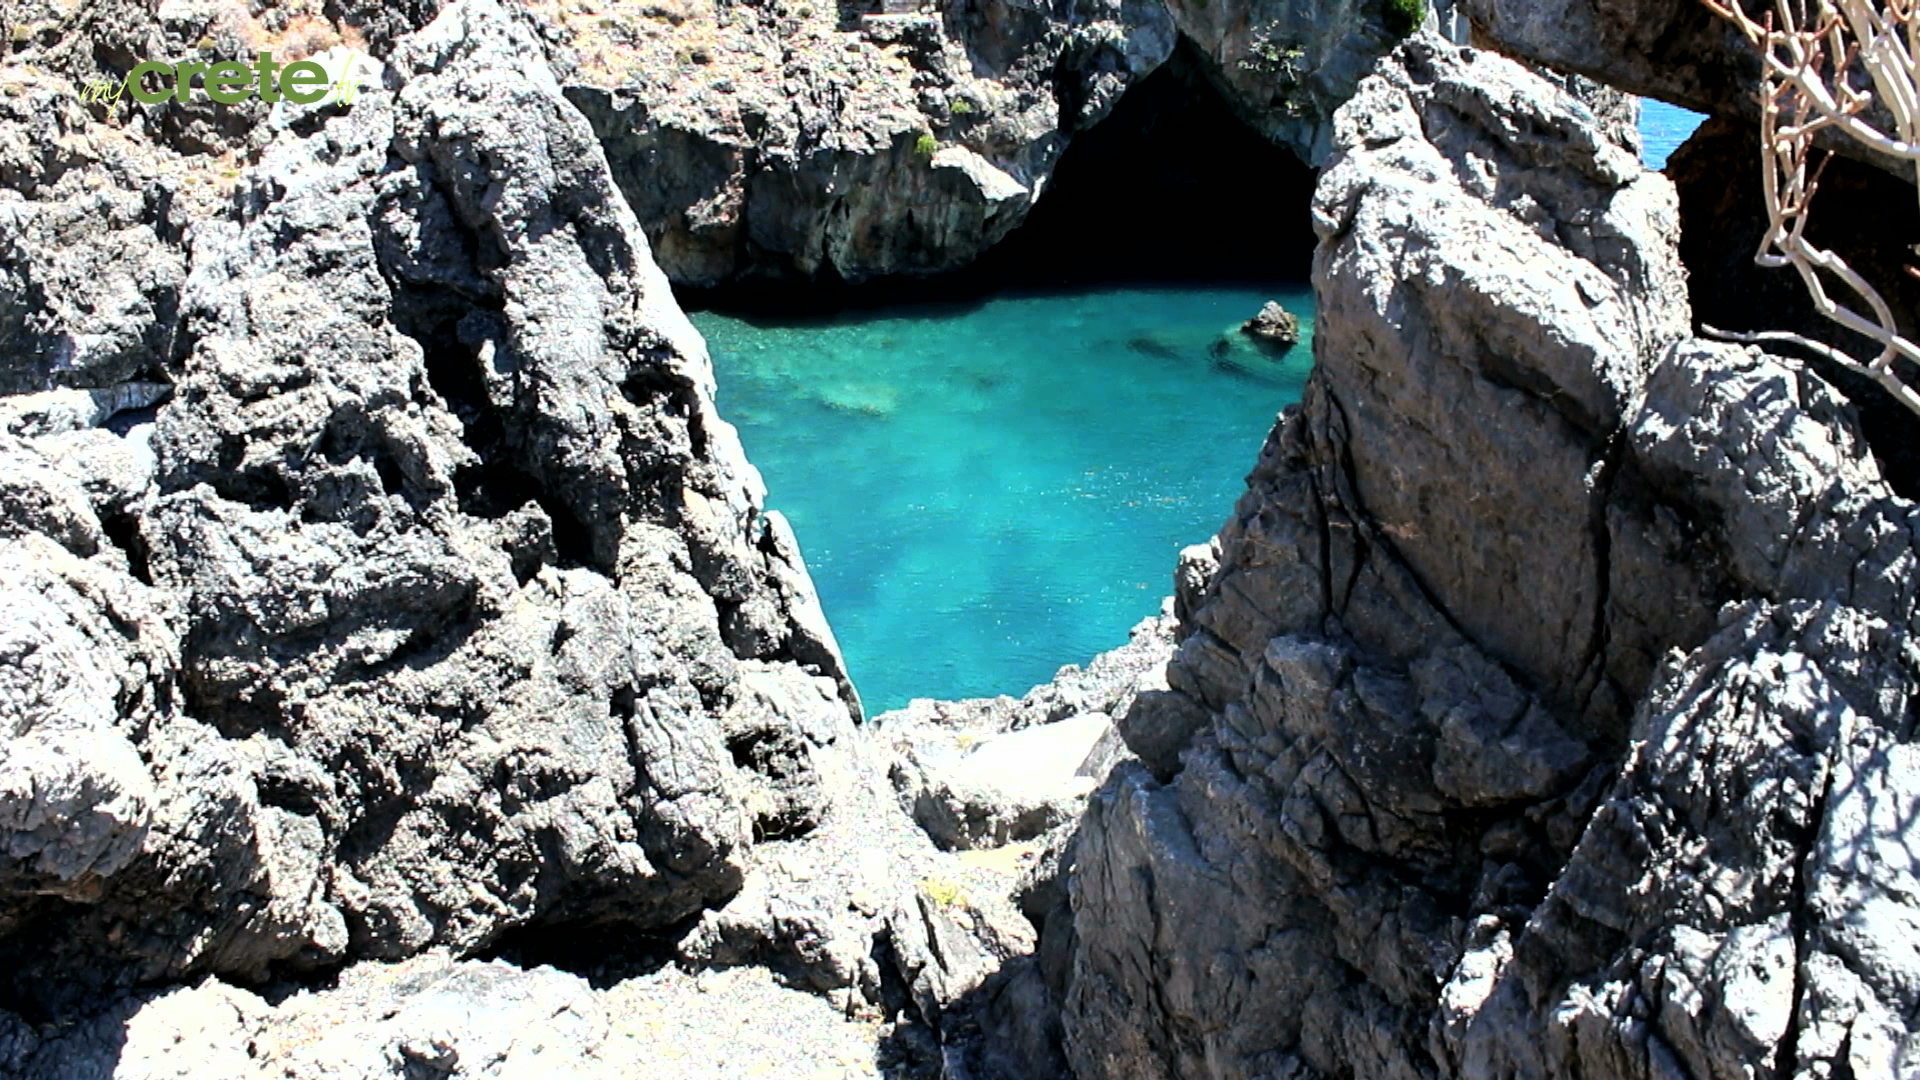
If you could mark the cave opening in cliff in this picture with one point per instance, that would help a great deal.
(993, 473)
(1171, 186)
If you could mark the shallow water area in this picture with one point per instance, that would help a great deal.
(987, 490)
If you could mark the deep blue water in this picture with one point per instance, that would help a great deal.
(1663, 128)
(985, 492)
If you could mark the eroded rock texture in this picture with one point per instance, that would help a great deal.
(436, 603)
(1677, 52)
(1286, 65)
(96, 199)
(802, 139)
(1542, 709)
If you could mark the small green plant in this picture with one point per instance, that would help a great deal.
(1403, 17)
(1271, 57)
(204, 44)
(926, 144)
(947, 894)
(961, 107)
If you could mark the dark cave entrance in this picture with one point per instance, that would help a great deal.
(1171, 187)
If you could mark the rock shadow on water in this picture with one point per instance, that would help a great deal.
(1153, 345)
(1252, 360)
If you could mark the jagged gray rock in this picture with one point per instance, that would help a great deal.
(1006, 788)
(1682, 53)
(459, 611)
(782, 139)
(1001, 783)
(988, 772)
(96, 201)
(1468, 768)
(434, 1017)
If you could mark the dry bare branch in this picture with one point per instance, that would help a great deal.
(1811, 53)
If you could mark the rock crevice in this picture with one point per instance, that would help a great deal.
(1506, 700)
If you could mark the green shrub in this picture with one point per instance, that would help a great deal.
(960, 107)
(1403, 17)
(926, 144)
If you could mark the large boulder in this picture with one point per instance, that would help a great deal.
(1674, 50)
(446, 606)
(1464, 770)
(985, 773)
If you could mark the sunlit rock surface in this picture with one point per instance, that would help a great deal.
(1541, 711)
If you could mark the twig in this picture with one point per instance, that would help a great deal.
(1806, 79)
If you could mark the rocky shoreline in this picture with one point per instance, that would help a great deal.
(401, 675)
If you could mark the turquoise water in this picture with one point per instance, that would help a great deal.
(1663, 128)
(985, 492)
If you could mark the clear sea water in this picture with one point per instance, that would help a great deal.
(986, 491)
(1663, 128)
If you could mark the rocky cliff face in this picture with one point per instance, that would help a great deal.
(1542, 709)
(436, 603)
(386, 612)
(794, 139)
